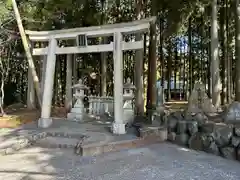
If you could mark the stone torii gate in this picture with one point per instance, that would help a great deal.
(82, 34)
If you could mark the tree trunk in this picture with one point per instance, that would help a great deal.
(152, 65)
(215, 59)
(190, 63)
(103, 79)
(229, 79)
(28, 52)
(224, 54)
(138, 60)
(169, 71)
(237, 55)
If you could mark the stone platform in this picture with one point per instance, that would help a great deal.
(84, 138)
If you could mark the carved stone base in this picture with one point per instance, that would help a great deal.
(44, 122)
(118, 128)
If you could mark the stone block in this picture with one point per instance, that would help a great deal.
(223, 134)
(232, 114)
(228, 153)
(212, 148)
(196, 142)
(172, 136)
(237, 130)
(192, 127)
(172, 123)
(182, 139)
(208, 127)
(181, 127)
(235, 141)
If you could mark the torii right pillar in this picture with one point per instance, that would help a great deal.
(152, 72)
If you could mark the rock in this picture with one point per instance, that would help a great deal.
(196, 142)
(181, 127)
(212, 148)
(223, 134)
(182, 139)
(172, 123)
(207, 140)
(192, 127)
(232, 114)
(172, 136)
(208, 127)
(157, 120)
(237, 130)
(235, 141)
(178, 115)
(238, 153)
(228, 152)
(199, 102)
(200, 117)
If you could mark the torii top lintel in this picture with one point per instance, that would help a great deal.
(104, 30)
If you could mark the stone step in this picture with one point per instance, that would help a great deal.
(151, 136)
(57, 142)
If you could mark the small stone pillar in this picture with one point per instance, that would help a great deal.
(128, 107)
(77, 112)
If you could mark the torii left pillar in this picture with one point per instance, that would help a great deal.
(45, 119)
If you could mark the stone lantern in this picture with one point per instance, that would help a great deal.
(78, 111)
(128, 97)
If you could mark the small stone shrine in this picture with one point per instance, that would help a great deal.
(78, 110)
(199, 101)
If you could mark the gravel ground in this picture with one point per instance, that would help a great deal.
(155, 162)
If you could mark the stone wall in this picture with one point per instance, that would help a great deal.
(198, 132)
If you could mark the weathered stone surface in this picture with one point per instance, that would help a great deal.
(228, 152)
(235, 141)
(200, 117)
(199, 101)
(182, 139)
(212, 148)
(223, 134)
(178, 115)
(192, 127)
(208, 127)
(196, 142)
(182, 127)
(172, 123)
(157, 120)
(232, 114)
(172, 136)
(237, 130)
(238, 153)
